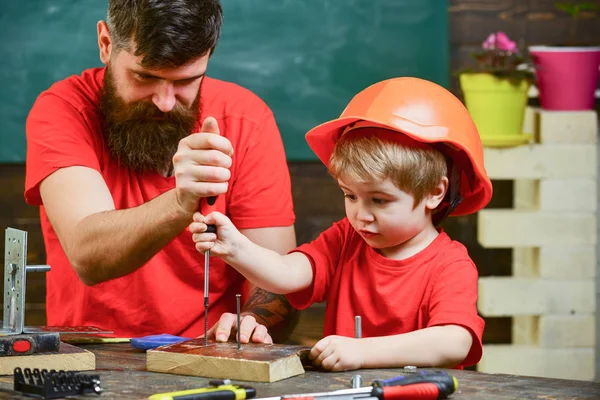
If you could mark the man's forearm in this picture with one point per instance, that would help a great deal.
(273, 311)
(112, 244)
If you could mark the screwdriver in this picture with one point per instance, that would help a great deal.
(423, 387)
(206, 208)
(222, 390)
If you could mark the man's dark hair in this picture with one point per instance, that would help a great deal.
(166, 33)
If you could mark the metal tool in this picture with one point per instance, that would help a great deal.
(29, 343)
(55, 384)
(357, 327)
(239, 342)
(422, 386)
(356, 380)
(218, 390)
(15, 269)
(207, 207)
(206, 285)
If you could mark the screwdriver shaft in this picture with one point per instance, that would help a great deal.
(206, 286)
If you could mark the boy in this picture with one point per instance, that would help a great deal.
(405, 153)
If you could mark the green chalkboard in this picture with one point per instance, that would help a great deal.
(305, 58)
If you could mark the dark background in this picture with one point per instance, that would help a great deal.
(318, 201)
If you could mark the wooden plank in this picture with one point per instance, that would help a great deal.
(515, 228)
(525, 330)
(568, 262)
(566, 363)
(538, 161)
(555, 262)
(68, 358)
(568, 195)
(507, 296)
(526, 193)
(525, 262)
(567, 126)
(471, 21)
(253, 362)
(558, 331)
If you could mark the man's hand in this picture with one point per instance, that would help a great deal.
(251, 330)
(338, 353)
(201, 165)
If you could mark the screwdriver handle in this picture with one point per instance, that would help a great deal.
(421, 391)
(208, 205)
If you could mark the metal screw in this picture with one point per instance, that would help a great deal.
(356, 381)
(237, 299)
(357, 327)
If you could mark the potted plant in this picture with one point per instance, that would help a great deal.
(567, 75)
(496, 92)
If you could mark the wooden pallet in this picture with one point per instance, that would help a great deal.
(553, 232)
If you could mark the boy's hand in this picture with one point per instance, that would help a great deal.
(337, 353)
(223, 243)
(251, 330)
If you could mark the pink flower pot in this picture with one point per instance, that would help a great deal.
(567, 77)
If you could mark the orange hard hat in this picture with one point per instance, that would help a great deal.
(425, 112)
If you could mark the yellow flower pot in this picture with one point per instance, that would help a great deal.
(497, 108)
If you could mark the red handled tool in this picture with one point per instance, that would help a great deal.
(427, 386)
(29, 343)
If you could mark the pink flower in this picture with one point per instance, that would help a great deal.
(504, 43)
(500, 41)
(490, 42)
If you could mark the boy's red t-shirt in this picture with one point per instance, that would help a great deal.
(166, 294)
(437, 286)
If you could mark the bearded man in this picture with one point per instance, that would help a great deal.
(119, 158)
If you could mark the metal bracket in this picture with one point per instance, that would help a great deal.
(15, 269)
(15, 272)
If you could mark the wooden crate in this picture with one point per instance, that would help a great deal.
(552, 230)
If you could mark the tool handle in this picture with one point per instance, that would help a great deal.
(29, 343)
(231, 393)
(421, 391)
(208, 205)
(424, 391)
(404, 380)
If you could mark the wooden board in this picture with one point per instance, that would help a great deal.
(509, 296)
(566, 126)
(563, 363)
(253, 362)
(515, 228)
(538, 161)
(68, 358)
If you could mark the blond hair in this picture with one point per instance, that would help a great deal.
(414, 169)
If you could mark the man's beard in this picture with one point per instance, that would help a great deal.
(139, 135)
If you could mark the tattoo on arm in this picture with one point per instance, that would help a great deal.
(273, 311)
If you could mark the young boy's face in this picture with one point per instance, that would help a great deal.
(385, 216)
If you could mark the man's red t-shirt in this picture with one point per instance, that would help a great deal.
(166, 294)
(437, 286)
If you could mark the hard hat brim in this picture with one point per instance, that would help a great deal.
(477, 191)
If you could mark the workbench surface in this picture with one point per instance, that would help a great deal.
(122, 371)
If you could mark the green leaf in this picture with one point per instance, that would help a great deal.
(573, 9)
(569, 8)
